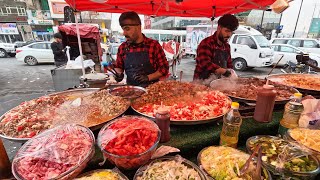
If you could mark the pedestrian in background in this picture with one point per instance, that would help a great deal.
(60, 57)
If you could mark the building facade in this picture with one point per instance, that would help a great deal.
(178, 23)
(13, 21)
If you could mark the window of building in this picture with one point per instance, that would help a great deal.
(3, 11)
(21, 11)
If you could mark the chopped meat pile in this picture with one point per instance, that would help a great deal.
(247, 88)
(31, 117)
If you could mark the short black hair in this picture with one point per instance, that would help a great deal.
(229, 21)
(129, 15)
(57, 35)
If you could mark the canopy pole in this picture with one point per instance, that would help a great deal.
(213, 17)
(79, 43)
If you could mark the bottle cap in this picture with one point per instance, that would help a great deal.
(268, 86)
(162, 110)
(297, 95)
(235, 105)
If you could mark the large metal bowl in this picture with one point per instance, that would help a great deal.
(185, 162)
(76, 93)
(279, 78)
(184, 122)
(246, 100)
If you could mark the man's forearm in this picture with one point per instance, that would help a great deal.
(155, 75)
(118, 70)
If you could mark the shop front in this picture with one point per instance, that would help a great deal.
(9, 32)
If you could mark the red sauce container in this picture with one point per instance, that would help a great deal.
(265, 103)
(163, 121)
(5, 166)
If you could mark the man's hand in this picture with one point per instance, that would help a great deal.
(118, 77)
(220, 71)
(141, 78)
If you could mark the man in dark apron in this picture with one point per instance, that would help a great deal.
(141, 58)
(213, 53)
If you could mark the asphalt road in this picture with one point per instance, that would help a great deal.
(20, 82)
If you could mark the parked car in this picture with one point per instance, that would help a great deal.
(305, 44)
(7, 49)
(18, 44)
(38, 52)
(289, 53)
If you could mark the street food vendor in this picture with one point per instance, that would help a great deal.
(142, 58)
(213, 53)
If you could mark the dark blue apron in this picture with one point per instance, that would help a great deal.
(221, 59)
(137, 63)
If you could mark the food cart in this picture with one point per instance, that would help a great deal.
(65, 78)
(190, 136)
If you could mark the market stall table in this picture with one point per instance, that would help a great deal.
(192, 139)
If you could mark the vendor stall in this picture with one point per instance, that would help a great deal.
(62, 129)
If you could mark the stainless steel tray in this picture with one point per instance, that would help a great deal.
(184, 122)
(278, 78)
(83, 91)
(240, 99)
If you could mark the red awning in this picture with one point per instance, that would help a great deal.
(86, 31)
(187, 8)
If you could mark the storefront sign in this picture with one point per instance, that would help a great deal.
(40, 22)
(39, 15)
(315, 26)
(58, 7)
(8, 28)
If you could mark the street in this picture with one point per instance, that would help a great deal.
(20, 82)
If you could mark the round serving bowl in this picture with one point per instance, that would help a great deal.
(129, 141)
(182, 162)
(287, 155)
(226, 156)
(102, 174)
(58, 153)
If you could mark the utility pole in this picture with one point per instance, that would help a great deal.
(294, 32)
(262, 20)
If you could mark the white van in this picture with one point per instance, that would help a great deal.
(249, 48)
(306, 44)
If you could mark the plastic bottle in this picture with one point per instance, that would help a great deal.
(163, 121)
(265, 103)
(291, 115)
(5, 167)
(231, 126)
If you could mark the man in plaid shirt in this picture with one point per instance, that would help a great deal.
(142, 58)
(213, 53)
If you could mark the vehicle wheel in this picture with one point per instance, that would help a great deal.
(239, 64)
(3, 53)
(31, 61)
(12, 54)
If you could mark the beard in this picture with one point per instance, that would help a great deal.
(222, 38)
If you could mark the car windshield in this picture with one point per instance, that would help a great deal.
(262, 41)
